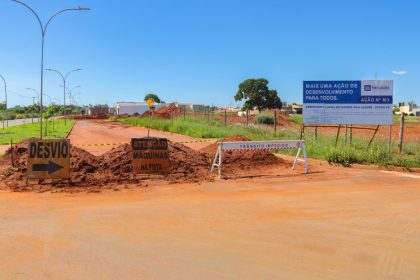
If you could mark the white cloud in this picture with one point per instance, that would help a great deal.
(399, 72)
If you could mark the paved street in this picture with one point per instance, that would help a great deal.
(18, 122)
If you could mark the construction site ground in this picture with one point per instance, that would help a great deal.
(99, 136)
(334, 223)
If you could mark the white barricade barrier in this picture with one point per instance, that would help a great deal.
(260, 145)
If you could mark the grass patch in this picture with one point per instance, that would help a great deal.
(24, 131)
(264, 118)
(321, 148)
(296, 118)
(408, 120)
(195, 127)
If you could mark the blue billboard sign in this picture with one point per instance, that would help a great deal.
(348, 102)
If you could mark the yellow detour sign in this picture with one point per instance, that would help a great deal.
(49, 159)
(150, 155)
(150, 102)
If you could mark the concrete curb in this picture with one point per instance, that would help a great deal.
(71, 129)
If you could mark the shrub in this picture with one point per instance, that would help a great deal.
(346, 157)
(264, 118)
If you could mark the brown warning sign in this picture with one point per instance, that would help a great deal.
(150, 155)
(49, 159)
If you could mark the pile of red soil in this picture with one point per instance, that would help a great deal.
(236, 161)
(164, 112)
(186, 165)
(84, 171)
(111, 168)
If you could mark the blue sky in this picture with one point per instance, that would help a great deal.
(200, 50)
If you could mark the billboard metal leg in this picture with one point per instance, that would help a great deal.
(338, 134)
(345, 137)
(373, 137)
(302, 131)
(390, 140)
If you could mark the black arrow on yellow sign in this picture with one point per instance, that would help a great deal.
(51, 167)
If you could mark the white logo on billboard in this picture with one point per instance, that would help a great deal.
(377, 88)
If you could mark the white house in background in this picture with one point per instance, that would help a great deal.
(131, 108)
(185, 106)
(406, 109)
(416, 111)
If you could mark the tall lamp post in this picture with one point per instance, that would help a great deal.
(71, 91)
(33, 107)
(43, 31)
(37, 94)
(64, 77)
(5, 96)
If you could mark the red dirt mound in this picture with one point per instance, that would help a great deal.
(164, 112)
(84, 168)
(237, 161)
(111, 168)
(186, 165)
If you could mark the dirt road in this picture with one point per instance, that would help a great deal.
(98, 136)
(336, 223)
(366, 226)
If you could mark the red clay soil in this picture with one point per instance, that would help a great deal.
(236, 162)
(186, 165)
(83, 165)
(80, 117)
(164, 112)
(111, 168)
(89, 172)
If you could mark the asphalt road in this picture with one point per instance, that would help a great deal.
(18, 122)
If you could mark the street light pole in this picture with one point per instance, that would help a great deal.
(33, 107)
(64, 77)
(70, 92)
(37, 94)
(5, 96)
(43, 31)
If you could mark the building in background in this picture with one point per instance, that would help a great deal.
(297, 109)
(416, 111)
(99, 111)
(188, 107)
(131, 108)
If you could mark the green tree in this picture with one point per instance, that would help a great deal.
(257, 94)
(2, 105)
(153, 96)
